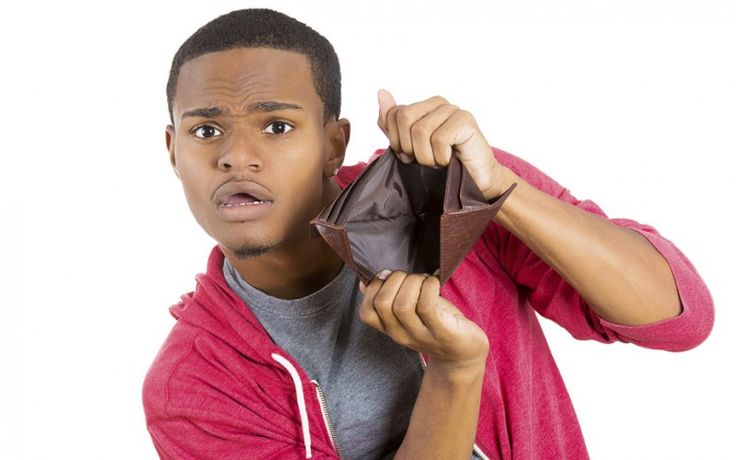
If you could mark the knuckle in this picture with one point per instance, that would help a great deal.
(439, 98)
(465, 115)
(365, 311)
(403, 308)
(416, 279)
(438, 139)
(382, 303)
(419, 129)
(403, 115)
(425, 307)
(431, 282)
(429, 295)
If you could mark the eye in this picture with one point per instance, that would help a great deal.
(206, 131)
(279, 127)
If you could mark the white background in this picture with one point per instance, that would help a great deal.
(630, 104)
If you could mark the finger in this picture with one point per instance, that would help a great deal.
(405, 307)
(385, 102)
(393, 131)
(366, 312)
(456, 130)
(421, 133)
(427, 309)
(368, 315)
(403, 125)
(383, 305)
(406, 116)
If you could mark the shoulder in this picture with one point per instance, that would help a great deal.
(191, 366)
(177, 349)
(197, 372)
(204, 398)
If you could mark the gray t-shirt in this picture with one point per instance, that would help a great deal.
(370, 382)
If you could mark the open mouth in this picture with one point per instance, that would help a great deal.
(242, 207)
(242, 199)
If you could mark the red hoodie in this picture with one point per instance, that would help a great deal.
(219, 387)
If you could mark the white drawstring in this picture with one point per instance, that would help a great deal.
(299, 401)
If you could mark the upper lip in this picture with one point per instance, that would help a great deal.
(251, 188)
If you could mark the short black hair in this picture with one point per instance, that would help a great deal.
(264, 28)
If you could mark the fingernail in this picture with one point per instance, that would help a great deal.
(404, 158)
(361, 286)
(383, 274)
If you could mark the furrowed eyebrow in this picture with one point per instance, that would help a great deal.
(205, 112)
(263, 106)
(271, 106)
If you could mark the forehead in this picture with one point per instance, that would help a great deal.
(235, 78)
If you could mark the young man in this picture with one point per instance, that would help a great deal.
(280, 352)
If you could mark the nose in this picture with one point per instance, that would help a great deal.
(239, 153)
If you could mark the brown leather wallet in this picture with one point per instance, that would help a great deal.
(406, 217)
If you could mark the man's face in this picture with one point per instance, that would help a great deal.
(250, 147)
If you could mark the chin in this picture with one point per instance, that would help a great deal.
(249, 249)
(249, 252)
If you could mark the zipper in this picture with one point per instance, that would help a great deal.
(479, 453)
(326, 417)
(422, 361)
(476, 449)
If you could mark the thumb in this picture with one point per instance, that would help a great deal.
(385, 102)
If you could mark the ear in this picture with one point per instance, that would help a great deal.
(338, 136)
(170, 134)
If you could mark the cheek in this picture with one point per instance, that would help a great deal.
(305, 184)
(194, 185)
(303, 197)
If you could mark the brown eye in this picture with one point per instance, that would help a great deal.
(279, 127)
(206, 131)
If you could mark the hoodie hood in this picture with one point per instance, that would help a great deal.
(214, 307)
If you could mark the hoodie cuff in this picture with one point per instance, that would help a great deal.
(693, 325)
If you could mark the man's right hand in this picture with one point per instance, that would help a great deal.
(409, 309)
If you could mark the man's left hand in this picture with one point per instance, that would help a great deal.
(429, 131)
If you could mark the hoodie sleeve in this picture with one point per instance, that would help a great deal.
(554, 298)
(191, 439)
(204, 401)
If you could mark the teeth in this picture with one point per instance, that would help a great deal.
(244, 204)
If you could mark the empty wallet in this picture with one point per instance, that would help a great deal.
(406, 217)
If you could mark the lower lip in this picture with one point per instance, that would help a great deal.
(244, 212)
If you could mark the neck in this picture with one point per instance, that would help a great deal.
(294, 269)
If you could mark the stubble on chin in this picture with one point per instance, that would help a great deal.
(247, 251)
